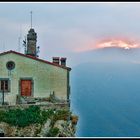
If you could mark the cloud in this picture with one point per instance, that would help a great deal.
(65, 28)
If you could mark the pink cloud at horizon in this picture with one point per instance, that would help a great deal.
(112, 42)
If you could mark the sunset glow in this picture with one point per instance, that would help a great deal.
(117, 43)
(105, 43)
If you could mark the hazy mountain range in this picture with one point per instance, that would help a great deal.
(107, 55)
(106, 93)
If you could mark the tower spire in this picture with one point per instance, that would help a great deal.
(31, 41)
(31, 18)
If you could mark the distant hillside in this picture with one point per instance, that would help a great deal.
(107, 55)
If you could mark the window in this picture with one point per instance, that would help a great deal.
(5, 85)
(10, 65)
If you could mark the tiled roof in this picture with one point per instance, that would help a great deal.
(37, 59)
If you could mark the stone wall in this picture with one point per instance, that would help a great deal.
(43, 107)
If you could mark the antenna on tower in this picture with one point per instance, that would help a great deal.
(18, 44)
(4, 46)
(19, 40)
(25, 45)
(31, 18)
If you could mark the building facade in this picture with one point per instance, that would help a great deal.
(29, 76)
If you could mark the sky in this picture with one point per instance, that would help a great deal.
(66, 29)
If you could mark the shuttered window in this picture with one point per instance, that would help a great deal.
(5, 85)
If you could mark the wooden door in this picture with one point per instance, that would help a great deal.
(26, 87)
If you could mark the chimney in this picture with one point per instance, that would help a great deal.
(56, 60)
(63, 61)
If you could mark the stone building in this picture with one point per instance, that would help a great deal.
(26, 75)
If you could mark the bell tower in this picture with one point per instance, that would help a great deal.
(31, 41)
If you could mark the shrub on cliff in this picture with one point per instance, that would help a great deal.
(32, 115)
(74, 119)
(61, 115)
(25, 117)
(53, 132)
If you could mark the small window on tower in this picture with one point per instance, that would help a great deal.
(5, 85)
